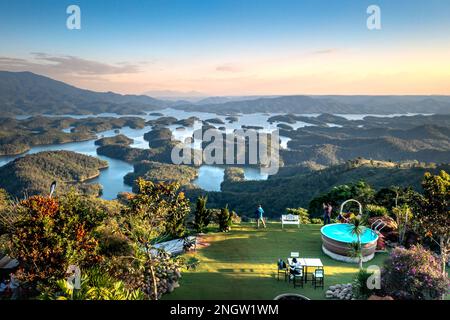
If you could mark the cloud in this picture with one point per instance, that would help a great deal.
(65, 65)
(325, 51)
(228, 68)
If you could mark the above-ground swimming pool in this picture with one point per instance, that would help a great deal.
(337, 238)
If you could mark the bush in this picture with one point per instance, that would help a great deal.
(202, 215)
(360, 288)
(413, 274)
(235, 218)
(302, 213)
(376, 211)
(316, 221)
(224, 219)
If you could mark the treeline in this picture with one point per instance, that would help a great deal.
(297, 190)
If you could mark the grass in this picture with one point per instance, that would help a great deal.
(241, 264)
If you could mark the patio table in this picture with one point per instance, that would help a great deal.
(307, 262)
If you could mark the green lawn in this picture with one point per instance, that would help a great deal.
(241, 264)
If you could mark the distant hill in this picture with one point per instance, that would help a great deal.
(29, 93)
(328, 104)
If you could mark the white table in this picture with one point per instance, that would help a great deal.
(307, 262)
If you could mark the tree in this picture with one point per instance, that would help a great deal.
(224, 219)
(146, 221)
(360, 191)
(202, 215)
(434, 216)
(301, 213)
(46, 235)
(357, 229)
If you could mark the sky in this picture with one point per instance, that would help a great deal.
(232, 47)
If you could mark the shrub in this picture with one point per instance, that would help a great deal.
(49, 234)
(302, 213)
(360, 289)
(413, 274)
(376, 211)
(202, 215)
(235, 218)
(224, 219)
(316, 221)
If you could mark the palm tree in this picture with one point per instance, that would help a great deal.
(357, 229)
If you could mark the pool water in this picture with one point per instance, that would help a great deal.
(343, 232)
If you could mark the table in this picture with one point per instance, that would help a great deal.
(307, 262)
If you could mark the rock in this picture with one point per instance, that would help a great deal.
(332, 288)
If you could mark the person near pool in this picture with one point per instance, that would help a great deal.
(260, 215)
(327, 209)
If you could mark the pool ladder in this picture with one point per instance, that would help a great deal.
(378, 225)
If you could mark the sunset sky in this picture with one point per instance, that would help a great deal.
(232, 47)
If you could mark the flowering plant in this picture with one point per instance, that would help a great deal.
(413, 274)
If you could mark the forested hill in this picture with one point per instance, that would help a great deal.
(29, 93)
(33, 174)
(298, 187)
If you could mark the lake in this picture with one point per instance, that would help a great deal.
(209, 178)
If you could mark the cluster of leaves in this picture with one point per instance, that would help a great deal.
(360, 288)
(47, 235)
(95, 285)
(374, 210)
(301, 212)
(413, 274)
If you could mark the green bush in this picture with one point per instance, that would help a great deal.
(376, 211)
(360, 288)
(301, 212)
(202, 215)
(224, 219)
(316, 221)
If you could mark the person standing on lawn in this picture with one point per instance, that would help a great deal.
(327, 209)
(260, 216)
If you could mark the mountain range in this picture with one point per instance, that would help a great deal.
(28, 93)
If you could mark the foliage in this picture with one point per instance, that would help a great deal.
(95, 285)
(360, 191)
(413, 274)
(224, 219)
(361, 290)
(434, 216)
(151, 215)
(47, 235)
(376, 211)
(316, 221)
(301, 212)
(357, 229)
(404, 216)
(202, 215)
